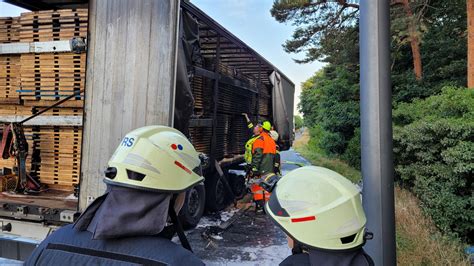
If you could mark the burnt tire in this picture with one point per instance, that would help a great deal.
(193, 207)
(216, 193)
(237, 183)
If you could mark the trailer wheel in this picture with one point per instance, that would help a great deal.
(193, 207)
(237, 183)
(215, 193)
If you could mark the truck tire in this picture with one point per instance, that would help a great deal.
(237, 183)
(216, 197)
(193, 207)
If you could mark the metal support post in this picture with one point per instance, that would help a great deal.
(215, 98)
(376, 129)
(259, 84)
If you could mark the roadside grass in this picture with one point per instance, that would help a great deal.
(418, 240)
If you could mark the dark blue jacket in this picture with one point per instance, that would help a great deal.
(356, 257)
(68, 246)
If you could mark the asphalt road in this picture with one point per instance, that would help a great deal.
(252, 239)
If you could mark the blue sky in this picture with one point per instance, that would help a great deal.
(249, 20)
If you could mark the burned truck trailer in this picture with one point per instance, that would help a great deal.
(149, 62)
(225, 78)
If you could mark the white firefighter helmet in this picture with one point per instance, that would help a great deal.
(318, 208)
(155, 158)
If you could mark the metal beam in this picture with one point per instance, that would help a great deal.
(35, 5)
(376, 130)
(48, 120)
(259, 84)
(198, 71)
(35, 47)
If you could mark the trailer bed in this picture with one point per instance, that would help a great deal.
(52, 199)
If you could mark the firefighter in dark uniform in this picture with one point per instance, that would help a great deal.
(321, 213)
(277, 164)
(147, 179)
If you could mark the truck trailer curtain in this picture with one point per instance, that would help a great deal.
(282, 102)
(189, 53)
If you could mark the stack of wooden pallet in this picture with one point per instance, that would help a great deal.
(56, 25)
(9, 78)
(35, 81)
(51, 76)
(9, 29)
(9, 64)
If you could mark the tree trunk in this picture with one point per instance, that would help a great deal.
(470, 43)
(414, 41)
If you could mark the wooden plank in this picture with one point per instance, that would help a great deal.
(162, 59)
(42, 103)
(109, 80)
(95, 64)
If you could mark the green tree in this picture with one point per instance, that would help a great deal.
(321, 20)
(299, 123)
(331, 103)
(315, 21)
(443, 52)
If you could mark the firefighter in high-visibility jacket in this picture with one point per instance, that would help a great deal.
(255, 131)
(263, 152)
(260, 152)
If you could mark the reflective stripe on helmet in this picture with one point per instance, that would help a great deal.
(303, 219)
(180, 165)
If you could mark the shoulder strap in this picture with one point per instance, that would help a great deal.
(369, 259)
(178, 227)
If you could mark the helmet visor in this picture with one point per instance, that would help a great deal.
(275, 207)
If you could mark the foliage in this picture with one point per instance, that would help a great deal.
(315, 20)
(417, 239)
(332, 103)
(433, 117)
(299, 123)
(352, 153)
(443, 52)
(444, 46)
(434, 151)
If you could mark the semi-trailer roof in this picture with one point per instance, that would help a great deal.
(233, 51)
